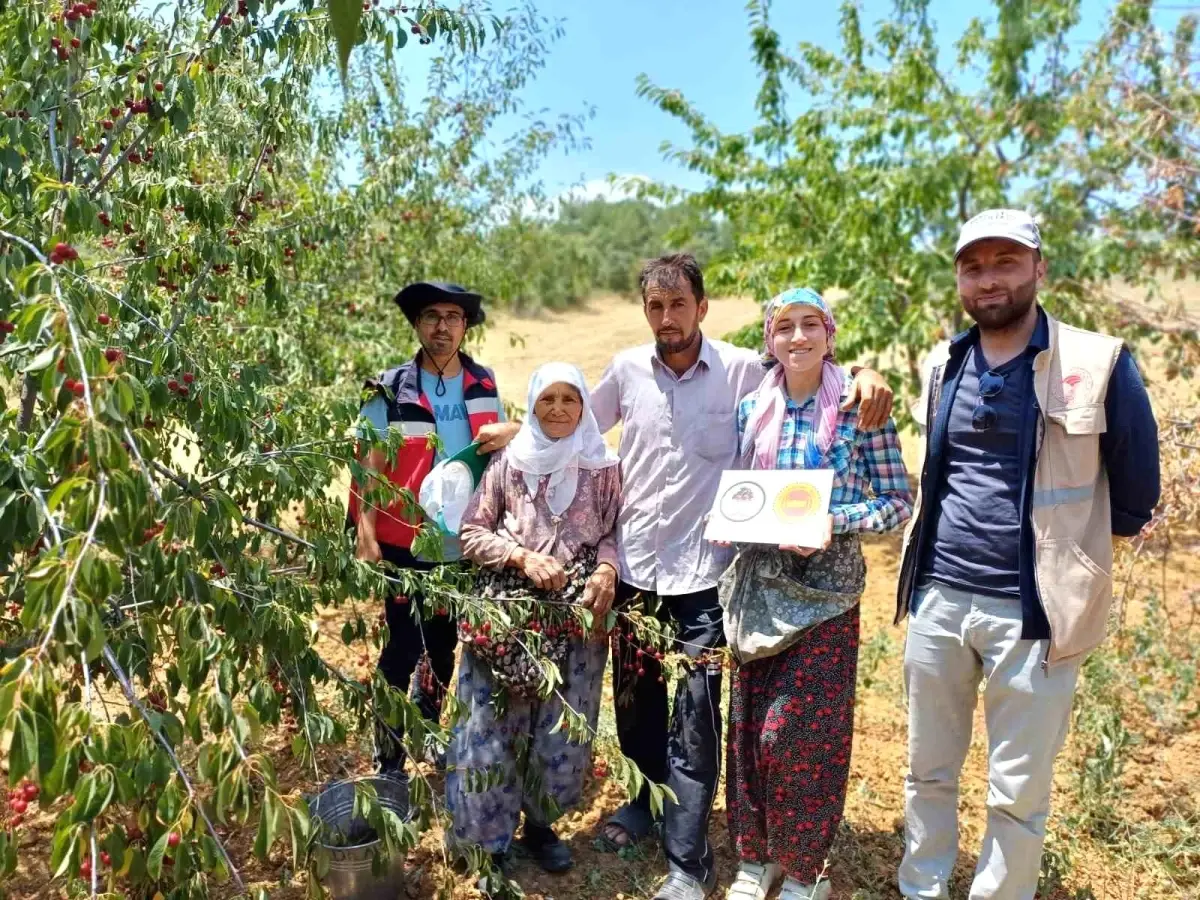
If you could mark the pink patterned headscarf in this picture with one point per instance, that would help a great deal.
(770, 400)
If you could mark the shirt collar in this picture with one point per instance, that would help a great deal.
(705, 359)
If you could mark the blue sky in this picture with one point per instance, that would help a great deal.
(700, 47)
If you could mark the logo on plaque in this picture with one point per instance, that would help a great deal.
(797, 501)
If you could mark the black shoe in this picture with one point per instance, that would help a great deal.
(540, 842)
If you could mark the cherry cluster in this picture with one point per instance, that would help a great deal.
(19, 799)
(71, 13)
(61, 253)
(184, 389)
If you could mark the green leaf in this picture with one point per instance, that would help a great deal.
(43, 360)
(64, 488)
(267, 826)
(154, 863)
(343, 19)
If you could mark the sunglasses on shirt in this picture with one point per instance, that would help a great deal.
(984, 417)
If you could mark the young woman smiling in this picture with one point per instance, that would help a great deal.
(792, 704)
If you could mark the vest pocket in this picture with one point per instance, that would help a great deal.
(1070, 453)
(1076, 594)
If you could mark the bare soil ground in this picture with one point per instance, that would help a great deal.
(1164, 767)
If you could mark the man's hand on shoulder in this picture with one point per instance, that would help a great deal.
(496, 436)
(874, 397)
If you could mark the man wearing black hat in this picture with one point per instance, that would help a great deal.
(440, 391)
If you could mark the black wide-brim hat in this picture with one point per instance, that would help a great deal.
(417, 297)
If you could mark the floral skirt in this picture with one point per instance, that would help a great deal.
(791, 725)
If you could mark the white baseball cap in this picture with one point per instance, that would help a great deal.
(1009, 224)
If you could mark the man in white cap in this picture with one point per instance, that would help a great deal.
(1041, 446)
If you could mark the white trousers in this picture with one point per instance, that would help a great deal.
(955, 639)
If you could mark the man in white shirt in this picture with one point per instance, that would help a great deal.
(677, 399)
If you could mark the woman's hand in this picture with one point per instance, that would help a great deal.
(710, 540)
(544, 571)
(809, 551)
(598, 594)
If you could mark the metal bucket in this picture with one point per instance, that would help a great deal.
(350, 876)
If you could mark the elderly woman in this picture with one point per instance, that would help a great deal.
(540, 526)
(792, 705)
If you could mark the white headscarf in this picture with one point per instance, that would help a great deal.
(533, 454)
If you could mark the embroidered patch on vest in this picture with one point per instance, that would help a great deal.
(1075, 382)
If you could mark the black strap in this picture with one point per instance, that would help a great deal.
(440, 389)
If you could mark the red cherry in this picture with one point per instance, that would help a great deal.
(63, 54)
(188, 377)
(104, 318)
(107, 124)
(16, 821)
(481, 640)
(75, 42)
(7, 327)
(112, 354)
(172, 385)
(135, 833)
(19, 806)
(85, 869)
(31, 791)
(159, 86)
(173, 839)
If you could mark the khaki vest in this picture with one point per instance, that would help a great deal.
(1071, 517)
